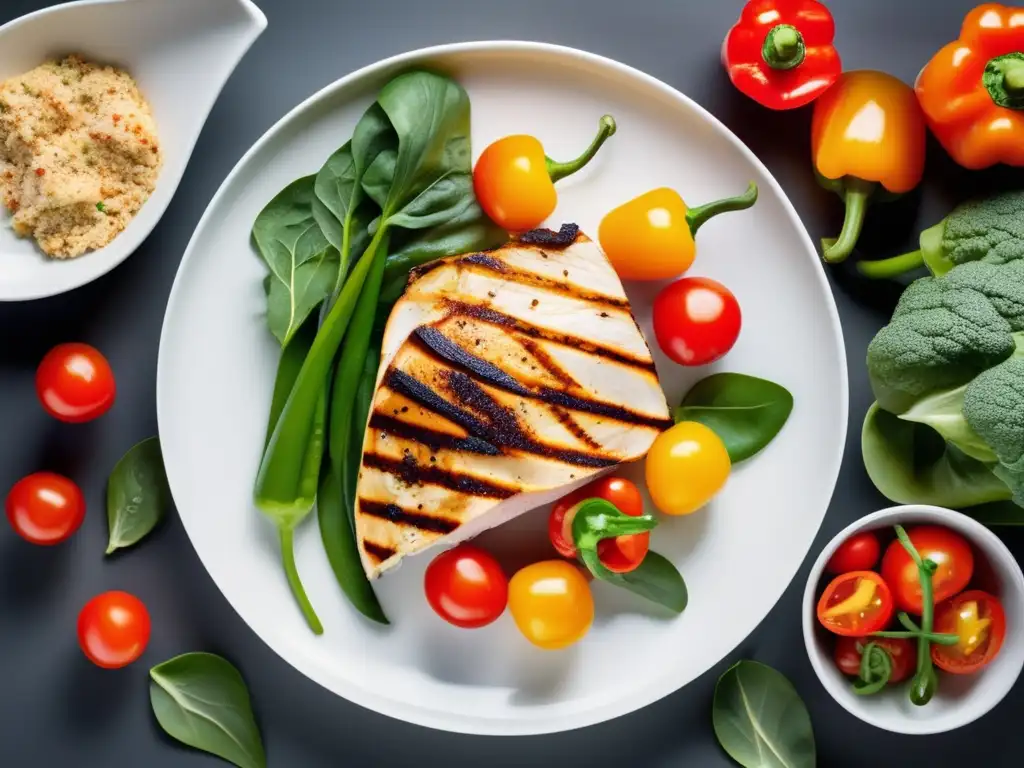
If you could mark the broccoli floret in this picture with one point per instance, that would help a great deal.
(994, 409)
(941, 336)
(991, 230)
(1002, 284)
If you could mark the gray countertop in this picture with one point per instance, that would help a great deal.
(58, 710)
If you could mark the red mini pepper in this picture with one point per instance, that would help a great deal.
(780, 52)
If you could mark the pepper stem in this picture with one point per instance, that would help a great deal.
(857, 194)
(696, 217)
(884, 269)
(292, 572)
(1004, 80)
(783, 47)
(558, 171)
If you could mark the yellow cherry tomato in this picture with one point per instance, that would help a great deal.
(551, 603)
(652, 236)
(687, 465)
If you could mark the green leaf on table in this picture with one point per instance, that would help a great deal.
(656, 579)
(303, 264)
(760, 719)
(201, 700)
(137, 495)
(745, 411)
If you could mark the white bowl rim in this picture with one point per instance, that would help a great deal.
(977, 534)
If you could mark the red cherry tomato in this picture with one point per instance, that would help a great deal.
(855, 604)
(902, 652)
(978, 619)
(45, 508)
(860, 552)
(466, 587)
(619, 555)
(696, 320)
(949, 551)
(113, 629)
(74, 383)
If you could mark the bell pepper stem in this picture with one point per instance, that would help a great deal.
(697, 217)
(1013, 79)
(784, 47)
(558, 171)
(1004, 80)
(856, 196)
(292, 573)
(598, 519)
(884, 269)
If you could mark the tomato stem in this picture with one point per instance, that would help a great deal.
(925, 682)
(696, 217)
(558, 171)
(934, 637)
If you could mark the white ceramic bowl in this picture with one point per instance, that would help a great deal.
(961, 699)
(180, 52)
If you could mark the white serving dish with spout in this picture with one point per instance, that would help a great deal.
(181, 53)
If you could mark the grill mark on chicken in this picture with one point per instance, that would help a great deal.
(447, 349)
(493, 317)
(430, 438)
(395, 514)
(414, 389)
(575, 428)
(523, 277)
(414, 473)
(378, 552)
(563, 238)
(547, 361)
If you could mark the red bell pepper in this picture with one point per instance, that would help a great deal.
(780, 52)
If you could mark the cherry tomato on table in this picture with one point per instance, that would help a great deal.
(75, 383)
(696, 320)
(45, 508)
(948, 550)
(855, 604)
(113, 629)
(466, 587)
(685, 467)
(860, 552)
(978, 619)
(551, 603)
(902, 652)
(619, 555)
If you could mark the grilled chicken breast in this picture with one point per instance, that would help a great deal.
(507, 379)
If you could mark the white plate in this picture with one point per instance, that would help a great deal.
(216, 371)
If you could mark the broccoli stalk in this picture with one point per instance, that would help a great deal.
(990, 230)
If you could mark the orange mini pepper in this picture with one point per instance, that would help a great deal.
(514, 180)
(651, 237)
(867, 142)
(972, 91)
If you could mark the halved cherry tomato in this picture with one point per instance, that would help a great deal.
(551, 603)
(948, 550)
(855, 604)
(75, 383)
(619, 555)
(45, 508)
(686, 466)
(466, 587)
(902, 652)
(113, 629)
(978, 619)
(860, 552)
(696, 320)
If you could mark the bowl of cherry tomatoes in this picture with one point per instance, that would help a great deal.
(914, 619)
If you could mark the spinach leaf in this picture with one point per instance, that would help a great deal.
(657, 579)
(910, 463)
(760, 720)
(137, 495)
(303, 264)
(201, 700)
(745, 411)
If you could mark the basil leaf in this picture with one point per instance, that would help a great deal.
(760, 720)
(303, 264)
(137, 495)
(745, 411)
(657, 579)
(201, 700)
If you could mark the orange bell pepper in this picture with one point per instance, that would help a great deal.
(867, 142)
(972, 92)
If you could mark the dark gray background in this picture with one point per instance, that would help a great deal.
(58, 710)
